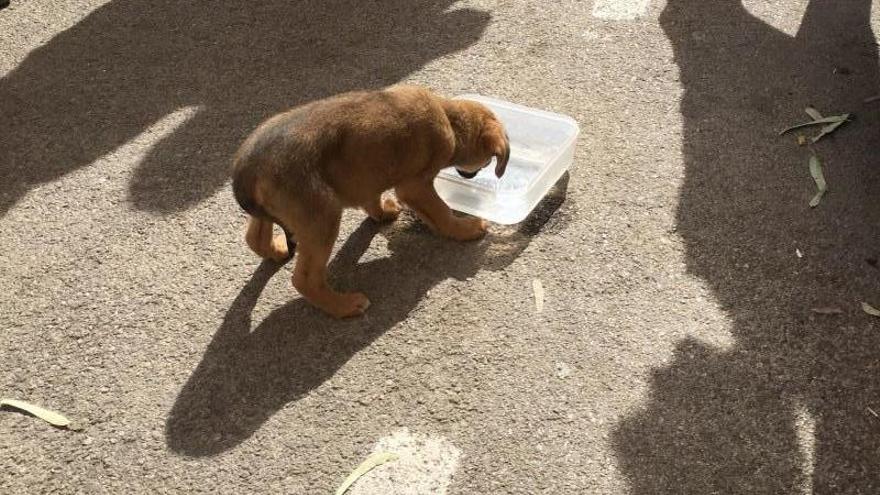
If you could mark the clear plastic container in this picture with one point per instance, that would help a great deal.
(541, 150)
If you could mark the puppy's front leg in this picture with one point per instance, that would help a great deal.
(424, 200)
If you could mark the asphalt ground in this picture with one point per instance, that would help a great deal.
(677, 350)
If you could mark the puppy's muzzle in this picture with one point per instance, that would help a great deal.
(471, 175)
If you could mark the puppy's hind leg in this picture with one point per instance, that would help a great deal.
(316, 235)
(259, 239)
(290, 241)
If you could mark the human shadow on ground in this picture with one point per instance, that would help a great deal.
(246, 375)
(129, 63)
(789, 405)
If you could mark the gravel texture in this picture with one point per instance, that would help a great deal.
(676, 351)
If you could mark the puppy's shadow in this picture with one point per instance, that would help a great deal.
(247, 375)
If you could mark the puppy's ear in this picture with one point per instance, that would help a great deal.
(497, 142)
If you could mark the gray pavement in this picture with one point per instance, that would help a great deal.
(676, 352)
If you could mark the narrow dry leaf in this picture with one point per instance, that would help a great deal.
(819, 177)
(825, 120)
(371, 462)
(539, 294)
(873, 412)
(872, 99)
(871, 310)
(830, 310)
(51, 417)
(828, 129)
(813, 113)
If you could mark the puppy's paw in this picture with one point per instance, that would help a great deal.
(469, 229)
(278, 251)
(385, 210)
(348, 305)
(390, 210)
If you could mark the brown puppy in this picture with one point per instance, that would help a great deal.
(299, 169)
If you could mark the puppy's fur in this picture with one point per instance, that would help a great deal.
(299, 169)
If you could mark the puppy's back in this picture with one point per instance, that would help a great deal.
(350, 146)
(282, 150)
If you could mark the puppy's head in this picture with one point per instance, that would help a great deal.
(479, 136)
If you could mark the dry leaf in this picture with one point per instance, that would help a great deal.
(871, 310)
(813, 113)
(828, 129)
(374, 460)
(802, 140)
(819, 177)
(51, 417)
(830, 310)
(825, 120)
(872, 99)
(539, 294)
